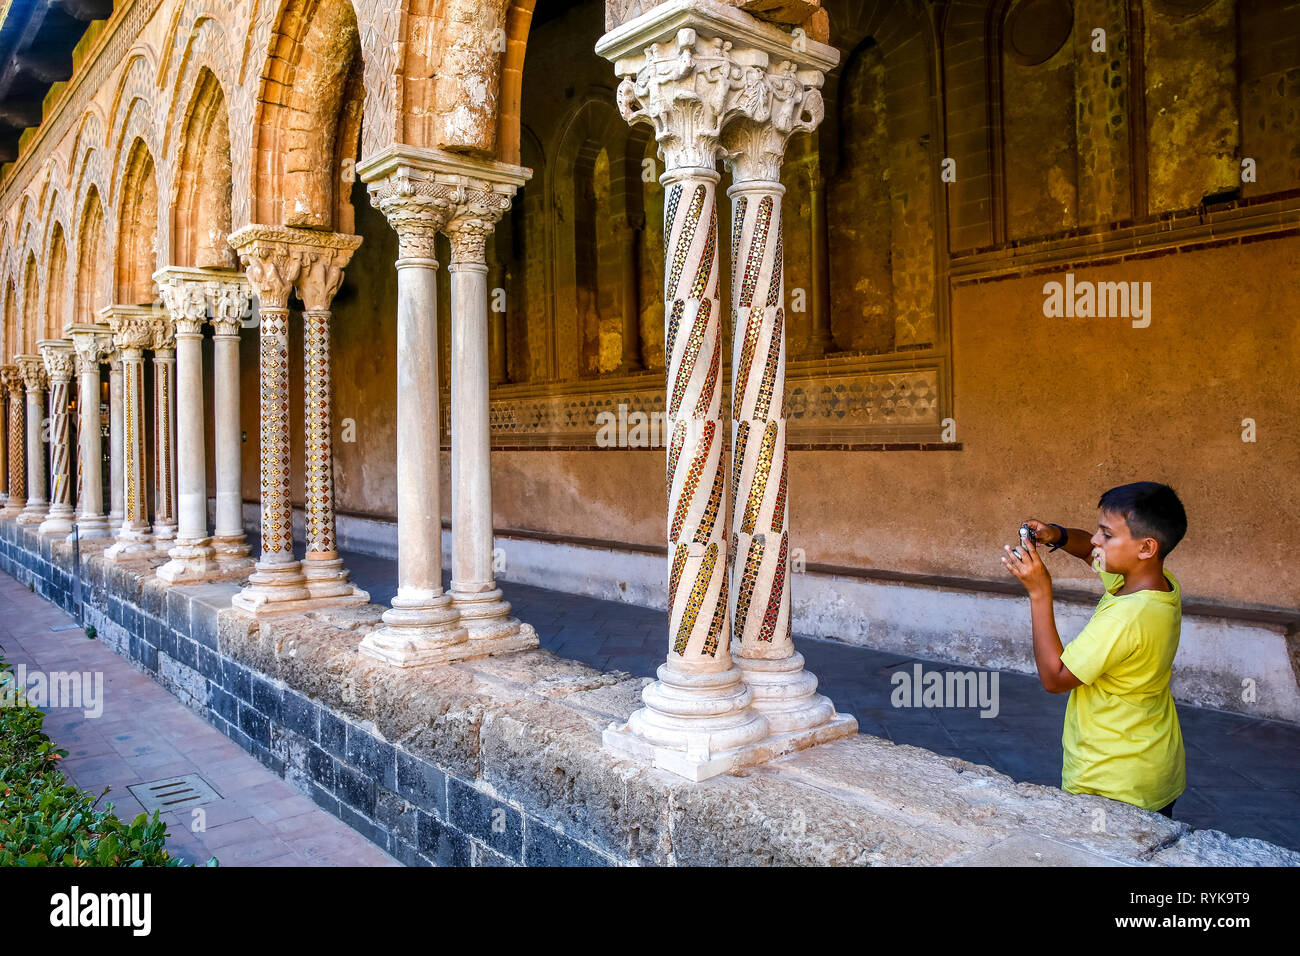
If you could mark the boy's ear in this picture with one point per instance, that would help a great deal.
(1148, 548)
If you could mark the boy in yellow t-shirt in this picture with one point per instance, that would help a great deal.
(1121, 737)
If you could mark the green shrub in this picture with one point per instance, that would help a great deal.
(45, 821)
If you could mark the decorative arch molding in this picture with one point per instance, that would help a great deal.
(29, 314)
(135, 254)
(519, 20)
(199, 206)
(385, 39)
(204, 46)
(93, 275)
(56, 303)
(307, 117)
(132, 115)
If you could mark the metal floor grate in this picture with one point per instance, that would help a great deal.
(174, 793)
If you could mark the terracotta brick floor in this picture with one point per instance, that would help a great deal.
(146, 734)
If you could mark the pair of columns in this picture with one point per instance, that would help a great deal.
(279, 260)
(716, 83)
(193, 297)
(423, 193)
(35, 381)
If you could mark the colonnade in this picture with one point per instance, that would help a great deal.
(715, 84)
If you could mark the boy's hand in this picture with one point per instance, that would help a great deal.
(1044, 533)
(1026, 565)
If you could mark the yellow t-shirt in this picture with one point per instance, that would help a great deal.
(1121, 737)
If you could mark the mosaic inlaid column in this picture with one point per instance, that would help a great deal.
(134, 329)
(4, 443)
(272, 265)
(17, 500)
(183, 295)
(164, 434)
(116, 407)
(35, 379)
(231, 307)
(474, 591)
(697, 720)
(784, 692)
(421, 626)
(319, 280)
(60, 362)
(89, 342)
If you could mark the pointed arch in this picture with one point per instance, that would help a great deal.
(91, 293)
(56, 305)
(308, 117)
(31, 321)
(136, 258)
(200, 210)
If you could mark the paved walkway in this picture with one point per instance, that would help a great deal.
(1243, 774)
(145, 734)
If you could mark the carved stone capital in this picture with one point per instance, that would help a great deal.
(132, 327)
(60, 361)
(231, 303)
(91, 343)
(423, 192)
(184, 298)
(12, 379)
(32, 369)
(276, 258)
(693, 70)
(322, 274)
(164, 333)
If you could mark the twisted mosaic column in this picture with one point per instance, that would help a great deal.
(697, 719)
(35, 378)
(88, 343)
(272, 266)
(231, 305)
(59, 364)
(164, 433)
(192, 557)
(317, 284)
(134, 329)
(474, 592)
(421, 626)
(755, 148)
(17, 500)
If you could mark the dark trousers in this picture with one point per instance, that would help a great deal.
(1169, 810)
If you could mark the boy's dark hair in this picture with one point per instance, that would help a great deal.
(1151, 510)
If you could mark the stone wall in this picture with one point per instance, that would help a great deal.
(497, 761)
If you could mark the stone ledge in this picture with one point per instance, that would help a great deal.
(497, 761)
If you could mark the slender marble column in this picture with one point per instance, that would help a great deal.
(760, 606)
(134, 329)
(35, 378)
(317, 284)
(272, 265)
(697, 720)
(473, 582)
(89, 341)
(4, 443)
(60, 362)
(164, 433)
(17, 500)
(116, 407)
(192, 557)
(231, 307)
(421, 626)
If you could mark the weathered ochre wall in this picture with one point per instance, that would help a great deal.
(1050, 412)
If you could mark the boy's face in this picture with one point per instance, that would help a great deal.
(1115, 549)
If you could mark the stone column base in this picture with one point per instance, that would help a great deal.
(13, 509)
(785, 693)
(191, 561)
(420, 628)
(164, 537)
(231, 545)
(694, 725)
(273, 588)
(91, 526)
(34, 514)
(131, 545)
(487, 617)
(327, 578)
(57, 521)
